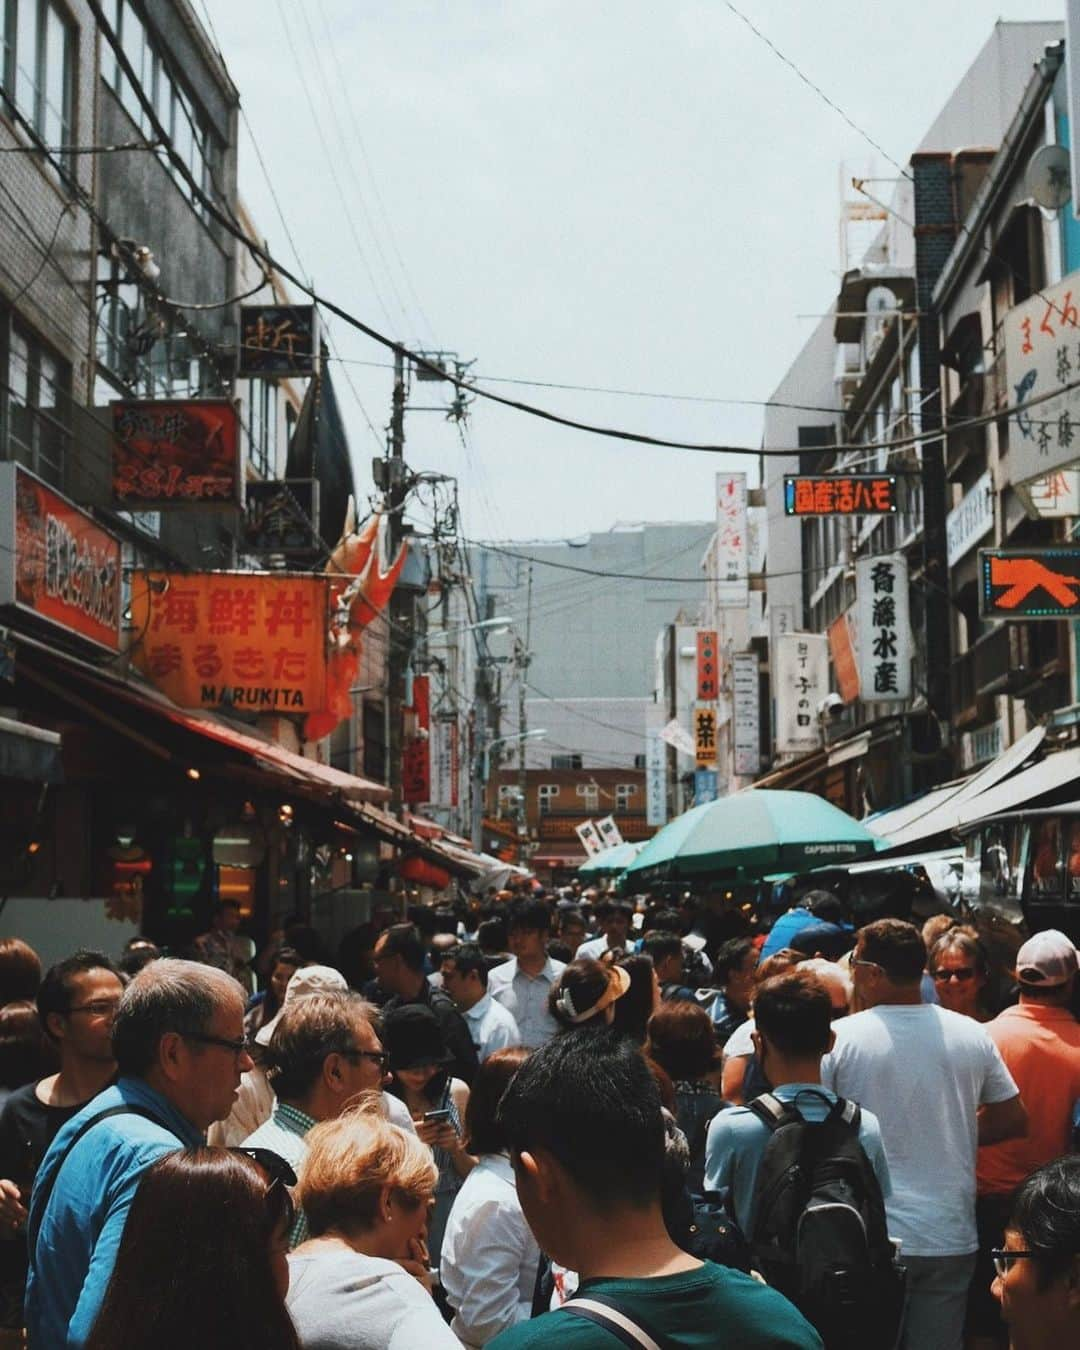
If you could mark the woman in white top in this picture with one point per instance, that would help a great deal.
(361, 1281)
(489, 1256)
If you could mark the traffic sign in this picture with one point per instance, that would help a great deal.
(1034, 583)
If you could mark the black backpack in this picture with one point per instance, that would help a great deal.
(819, 1233)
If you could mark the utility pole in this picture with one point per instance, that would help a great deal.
(399, 644)
(524, 656)
(483, 695)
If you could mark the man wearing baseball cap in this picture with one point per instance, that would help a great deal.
(1039, 1040)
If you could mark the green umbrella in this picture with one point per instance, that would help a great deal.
(611, 862)
(751, 834)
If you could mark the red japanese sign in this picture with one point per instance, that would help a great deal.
(1037, 583)
(416, 758)
(55, 562)
(246, 640)
(708, 671)
(845, 665)
(175, 454)
(840, 495)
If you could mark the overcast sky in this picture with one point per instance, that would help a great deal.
(619, 195)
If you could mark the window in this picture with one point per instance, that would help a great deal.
(38, 74)
(545, 795)
(591, 794)
(639, 762)
(623, 794)
(262, 426)
(566, 761)
(35, 403)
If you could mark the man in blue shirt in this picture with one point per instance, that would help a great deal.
(178, 1039)
(816, 909)
(792, 1013)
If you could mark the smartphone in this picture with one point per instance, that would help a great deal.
(437, 1117)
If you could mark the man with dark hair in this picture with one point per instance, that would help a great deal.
(583, 1120)
(792, 1031)
(323, 1052)
(178, 1039)
(224, 947)
(76, 1003)
(465, 979)
(937, 1084)
(571, 928)
(522, 984)
(615, 917)
(733, 972)
(399, 968)
(666, 952)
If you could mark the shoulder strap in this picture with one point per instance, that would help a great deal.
(849, 1112)
(46, 1194)
(771, 1111)
(602, 1313)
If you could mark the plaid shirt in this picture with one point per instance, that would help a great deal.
(284, 1133)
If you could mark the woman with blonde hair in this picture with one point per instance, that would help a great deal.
(361, 1281)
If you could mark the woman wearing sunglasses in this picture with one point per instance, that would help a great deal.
(958, 966)
(1038, 1269)
(203, 1257)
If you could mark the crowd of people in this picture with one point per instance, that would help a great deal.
(544, 1118)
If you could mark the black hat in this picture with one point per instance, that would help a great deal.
(412, 1036)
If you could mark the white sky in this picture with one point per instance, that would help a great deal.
(623, 195)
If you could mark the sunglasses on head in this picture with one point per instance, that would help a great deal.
(280, 1173)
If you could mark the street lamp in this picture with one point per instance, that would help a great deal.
(481, 769)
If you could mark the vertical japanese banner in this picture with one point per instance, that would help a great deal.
(444, 741)
(1042, 355)
(248, 640)
(801, 681)
(746, 687)
(609, 832)
(590, 838)
(705, 735)
(732, 543)
(416, 755)
(885, 647)
(845, 662)
(708, 672)
(655, 778)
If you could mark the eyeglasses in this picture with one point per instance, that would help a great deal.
(379, 1057)
(98, 1007)
(1003, 1257)
(238, 1047)
(857, 961)
(962, 973)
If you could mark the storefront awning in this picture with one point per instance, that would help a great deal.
(29, 753)
(573, 860)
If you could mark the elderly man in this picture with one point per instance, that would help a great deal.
(323, 1053)
(178, 1039)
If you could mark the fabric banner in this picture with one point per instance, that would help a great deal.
(801, 681)
(845, 662)
(655, 778)
(677, 735)
(590, 838)
(732, 581)
(708, 672)
(609, 832)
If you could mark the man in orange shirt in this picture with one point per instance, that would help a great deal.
(1039, 1041)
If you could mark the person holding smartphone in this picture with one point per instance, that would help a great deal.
(419, 1064)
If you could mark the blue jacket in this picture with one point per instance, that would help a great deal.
(83, 1221)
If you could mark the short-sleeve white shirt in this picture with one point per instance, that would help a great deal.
(924, 1072)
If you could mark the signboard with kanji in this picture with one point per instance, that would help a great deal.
(282, 516)
(801, 682)
(444, 761)
(1032, 583)
(246, 640)
(704, 735)
(885, 646)
(1041, 343)
(708, 673)
(416, 752)
(170, 453)
(731, 585)
(56, 563)
(590, 838)
(655, 778)
(839, 495)
(746, 686)
(706, 784)
(278, 339)
(970, 519)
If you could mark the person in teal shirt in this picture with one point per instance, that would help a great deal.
(586, 1134)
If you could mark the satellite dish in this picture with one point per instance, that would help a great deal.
(1048, 179)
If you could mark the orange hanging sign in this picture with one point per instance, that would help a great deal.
(246, 640)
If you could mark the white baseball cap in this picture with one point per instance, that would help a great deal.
(307, 980)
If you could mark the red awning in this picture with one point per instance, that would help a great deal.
(558, 859)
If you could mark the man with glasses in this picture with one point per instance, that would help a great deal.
(1039, 1040)
(178, 1040)
(323, 1053)
(76, 1003)
(936, 1083)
